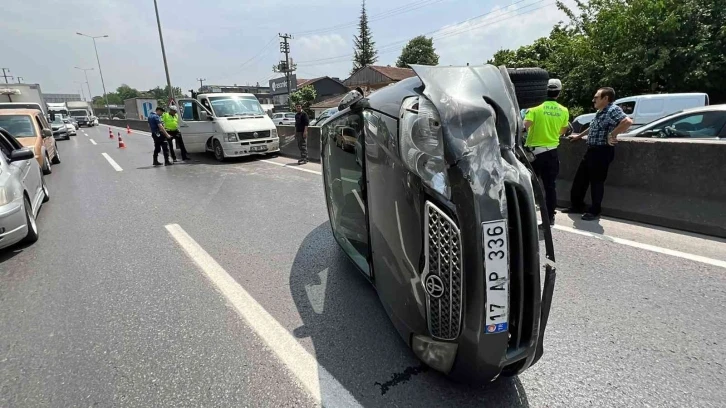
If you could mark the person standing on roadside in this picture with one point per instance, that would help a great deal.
(159, 134)
(171, 124)
(602, 136)
(301, 133)
(545, 124)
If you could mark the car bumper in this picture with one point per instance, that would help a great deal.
(61, 134)
(13, 227)
(250, 147)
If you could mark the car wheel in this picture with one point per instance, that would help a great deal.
(46, 165)
(30, 221)
(530, 86)
(56, 158)
(218, 151)
(46, 193)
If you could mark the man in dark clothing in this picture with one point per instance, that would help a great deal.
(301, 133)
(159, 134)
(609, 122)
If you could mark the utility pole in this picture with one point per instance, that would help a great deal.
(100, 71)
(284, 66)
(5, 74)
(20, 79)
(201, 82)
(163, 54)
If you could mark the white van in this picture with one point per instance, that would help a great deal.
(227, 124)
(647, 108)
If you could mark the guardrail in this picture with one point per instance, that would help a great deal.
(672, 183)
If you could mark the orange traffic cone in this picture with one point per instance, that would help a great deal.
(128, 130)
(110, 133)
(121, 144)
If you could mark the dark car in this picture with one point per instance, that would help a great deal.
(430, 195)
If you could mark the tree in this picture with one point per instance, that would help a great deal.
(419, 50)
(126, 92)
(162, 94)
(304, 96)
(365, 52)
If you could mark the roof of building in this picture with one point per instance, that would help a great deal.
(394, 73)
(331, 102)
(304, 82)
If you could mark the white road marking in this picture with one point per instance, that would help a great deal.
(294, 167)
(314, 377)
(652, 248)
(112, 162)
(93, 141)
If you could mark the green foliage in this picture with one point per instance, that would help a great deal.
(634, 46)
(305, 96)
(420, 50)
(365, 52)
(124, 92)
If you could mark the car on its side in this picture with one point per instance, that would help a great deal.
(22, 192)
(431, 196)
(707, 123)
(29, 128)
(284, 118)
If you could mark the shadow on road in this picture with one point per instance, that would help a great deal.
(357, 344)
(589, 226)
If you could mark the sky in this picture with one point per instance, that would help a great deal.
(231, 42)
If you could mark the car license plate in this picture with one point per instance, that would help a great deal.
(496, 261)
(258, 148)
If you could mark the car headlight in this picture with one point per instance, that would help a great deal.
(5, 197)
(232, 137)
(422, 143)
(273, 132)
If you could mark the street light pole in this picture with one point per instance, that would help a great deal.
(85, 72)
(80, 84)
(163, 53)
(105, 96)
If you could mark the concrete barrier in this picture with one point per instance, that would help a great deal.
(672, 183)
(288, 144)
(134, 124)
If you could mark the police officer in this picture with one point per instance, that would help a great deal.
(171, 124)
(159, 134)
(545, 124)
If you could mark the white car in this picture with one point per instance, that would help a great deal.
(707, 122)
(284, 118)
(70, 127)
(22, 192)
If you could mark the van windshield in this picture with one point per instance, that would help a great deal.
(224, 106)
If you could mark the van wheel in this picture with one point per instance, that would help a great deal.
(218, 151)
(46, 165)
(56, 158)
(30, 221)
(530, 86)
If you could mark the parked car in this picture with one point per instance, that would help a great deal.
(60, 131)
(429, 175)
(284, 118)
(22, 190)
(29, 128)
(323, 117)
(708, 122)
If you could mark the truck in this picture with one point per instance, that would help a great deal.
(139, 108)
(227, 124)
(23, 93)
(57, 108)
(82, 112)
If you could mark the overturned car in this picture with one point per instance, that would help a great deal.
(433, 199)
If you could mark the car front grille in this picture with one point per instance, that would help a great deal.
(253, 135)
(442, 275)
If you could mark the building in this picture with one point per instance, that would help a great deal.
(262, 93)
(325, 87)
(60, 98)
(373, 77)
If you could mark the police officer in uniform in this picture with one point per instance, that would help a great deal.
(159, 134)
(545, 124)
(171, 124)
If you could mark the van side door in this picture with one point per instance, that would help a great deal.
(195, 129)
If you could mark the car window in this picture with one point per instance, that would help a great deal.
(5, 146)
(39, 122)
(18, 125)
(290, 115)
(627, 107)
(190, 110)
(700, 124)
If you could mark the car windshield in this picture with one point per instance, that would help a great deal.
(18, 125)
(79, 113)
(57, 120)
(236, 106)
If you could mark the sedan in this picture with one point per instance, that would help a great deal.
(706, 122)
(430, 195)
(22, 191)
(60, 130)
(70, 127)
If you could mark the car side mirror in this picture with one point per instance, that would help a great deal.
(22, 154)
(47, 133)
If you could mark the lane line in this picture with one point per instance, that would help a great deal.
(112, 162)
(647, 247)
(93, 141)
(289, 166)
(321, 385)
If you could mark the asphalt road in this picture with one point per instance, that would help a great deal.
(109, 308)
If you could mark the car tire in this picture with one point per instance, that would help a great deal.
(218, 151)
(56, 158)
(530, 86)
(46, 164)
(30, 221)
(46, 193)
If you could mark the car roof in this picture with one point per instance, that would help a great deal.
(5, 112)
(708, 108)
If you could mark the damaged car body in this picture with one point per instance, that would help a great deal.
(435, 204)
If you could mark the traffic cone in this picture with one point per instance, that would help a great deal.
(128, 130)
(110, 133)
(121, 144)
